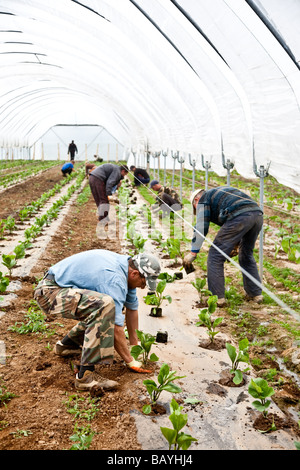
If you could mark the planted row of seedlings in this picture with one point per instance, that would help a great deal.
(259, 387)
(82, 435)
(27, 170)
(36, 227)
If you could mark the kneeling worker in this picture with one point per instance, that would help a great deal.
(67, 168)
(92, 287)
(166, 198)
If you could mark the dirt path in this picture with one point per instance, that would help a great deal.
(42, 382)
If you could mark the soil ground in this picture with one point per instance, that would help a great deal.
(43, 383)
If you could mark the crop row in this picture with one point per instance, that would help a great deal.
(35, 229)
(16, 177)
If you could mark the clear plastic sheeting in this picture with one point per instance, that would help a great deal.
(196, 77)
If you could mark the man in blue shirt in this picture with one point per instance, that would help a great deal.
(67, 168)
(93, 287)
(240, 219)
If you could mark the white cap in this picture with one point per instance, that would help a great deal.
(194, 194)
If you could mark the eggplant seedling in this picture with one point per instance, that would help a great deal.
(157, 297)
(175, 438)
(4, 282)
(9, 261)
(205, 317)
(237, 356)
(143, 349)
(165, 382)
(260, 389)
(172, 246)
(199, 285)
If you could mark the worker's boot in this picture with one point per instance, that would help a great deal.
(91, 379)
(257, 298)
(66, 350)
(221, 302)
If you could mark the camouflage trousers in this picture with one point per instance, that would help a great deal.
(95, 312)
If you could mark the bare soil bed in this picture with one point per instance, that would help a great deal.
(42, 382)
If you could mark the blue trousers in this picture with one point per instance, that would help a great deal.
(243, 230)
(139, 180)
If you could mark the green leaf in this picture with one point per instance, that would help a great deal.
(169, 434)
(238, 377)
(172, 388)
(178, 420)
(231, 352)
(217, 321)
(163, 373)
(136, 351)
(184, 441)
(261, 407)
(153, 357)
(243, 344)
(147, 409)
(161, 286)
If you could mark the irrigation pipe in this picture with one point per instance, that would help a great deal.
(259, 284)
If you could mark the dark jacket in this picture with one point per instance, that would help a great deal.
(218, 205)
(110, 174)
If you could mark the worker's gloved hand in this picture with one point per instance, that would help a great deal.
(188, 262)
(189, 258)
(113, 198)
(155, 208)
(136, 366)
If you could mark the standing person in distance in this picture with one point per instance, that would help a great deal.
(240, 219)
(71, 150)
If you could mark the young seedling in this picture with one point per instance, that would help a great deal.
(236, 357)
(4, 395)
(172, 246)
(157, 298)
(10, 224)
(205, 317)
(143, 349)
(35, 324)
(165, 382)
(175, 438)
(167, 277)
(199, 286)
(9, 261)
(260, 389)
(82, 437)
(19, 250)
(139, 242)
(4, 281)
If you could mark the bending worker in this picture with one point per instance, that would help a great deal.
(102, 181)
(140, 176)
(240, 219)
(67, 168)
(92, 287)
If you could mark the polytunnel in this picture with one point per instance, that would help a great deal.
(200, 78)
(102, 286)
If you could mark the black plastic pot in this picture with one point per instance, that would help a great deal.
(156, 312)
(179, 275)
(189, 269)
(162, 337)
